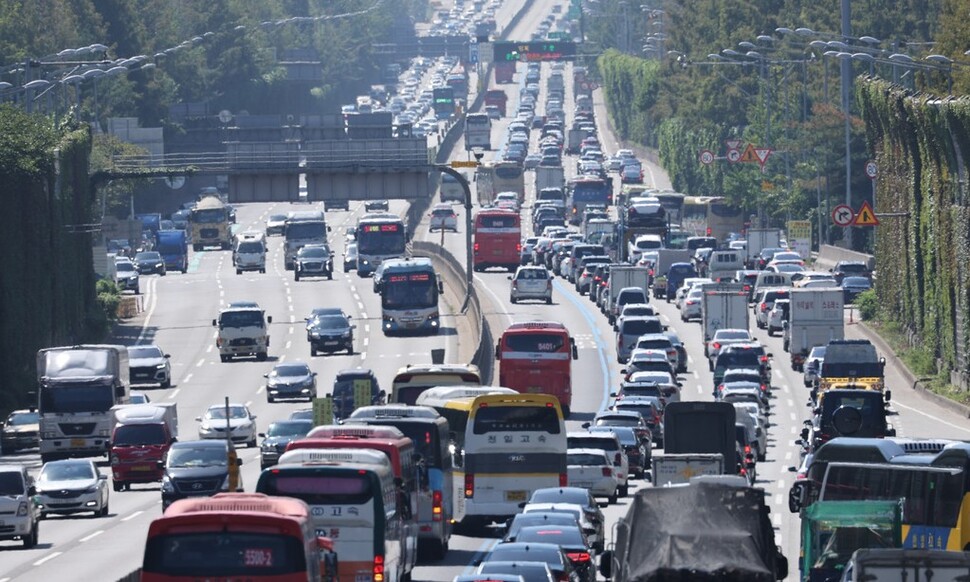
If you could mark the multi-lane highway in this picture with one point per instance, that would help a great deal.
(178, 313)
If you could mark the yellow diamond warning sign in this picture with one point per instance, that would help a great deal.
(866, 216)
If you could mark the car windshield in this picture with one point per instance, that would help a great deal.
(531, 274)
(277, 218)
(566, 537)
(143, 352)
(197, 457)
(250, 247)
(733, 334)
(11, 483)
(557, 495)
(331, 322)
(855, 282)
(148, 256)
(66, 472)
(241, 319)
(288, 428)
(219, 412)
(742, 376)
(291, 370)
(526, 553)
(586, 459)
(652, 376)
(124, 267)
(641, 326)
(22, 418)
(314, 253)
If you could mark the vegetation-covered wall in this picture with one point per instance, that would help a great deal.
(47, 283)
(921, 144)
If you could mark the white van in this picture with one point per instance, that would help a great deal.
(769, 279)
(21, 515)
(249, 252)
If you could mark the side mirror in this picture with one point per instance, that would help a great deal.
(441, 288)
(498, 352)
(261, 435)
(198, 419)
(797, 496)
(509, 277)
(266, 375)
(160, 465)
(269, 319)
(586, 425)
(804, 434)
(606, 564)
(238, 462)
(575, 349)
(31, 491)
(102, 477)
(214, 323)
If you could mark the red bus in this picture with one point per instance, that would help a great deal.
(504, 71)
(498, 98)
(247, 536)
(498, 239)
(536, 358)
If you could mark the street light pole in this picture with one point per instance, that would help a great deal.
(846, 65)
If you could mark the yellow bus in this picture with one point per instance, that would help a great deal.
(413, 379)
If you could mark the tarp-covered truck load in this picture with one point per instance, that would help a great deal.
(699, 532)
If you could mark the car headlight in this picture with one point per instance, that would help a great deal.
(346, 333)
(315, 334)
(92, 489)
(22, 509)
(205, 428)
(104, 432)
(160, 367)
(267, 446)
(115, 460)
(167, 486)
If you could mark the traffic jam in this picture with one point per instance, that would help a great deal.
(700, 326)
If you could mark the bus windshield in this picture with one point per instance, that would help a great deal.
(589, 192)
(320, 489)
(535, 342)
(306, 230)
(380, 239)
(71, 397)
(224, 553)
(409, 291)
(496, 221)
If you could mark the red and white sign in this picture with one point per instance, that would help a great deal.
(843, 215)
(707, 157)
(763, 154)
(734, 155)
(872, 170)
(732, 144)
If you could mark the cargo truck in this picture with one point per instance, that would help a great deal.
(77, 387)
(699, 437)
(851, 363)
(243, 331)
(574, 139)
(666, 258)
(550, 177)
(209, 224)
(758, 240)
(622, 276)
(173, 245)
(141, 438)
(708, 530)
(723, 306)
(815, 317)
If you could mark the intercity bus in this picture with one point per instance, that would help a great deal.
(413, 379)
(499, 176)
(478, 131)
(379, 237)
(247, 536)
(356, 503)
(497, 239)
(585, 190)
(428, 430)
(513, 445)
(711, 216)
(409, 296)
(930, 476)
(536, 358)
(454, 403)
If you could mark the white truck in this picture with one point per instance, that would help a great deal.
(622, 276)
(243, 331)
(665, 258)
(723, 306)
(815, 317)
(550, 177)
(758, 240)
(77, 386)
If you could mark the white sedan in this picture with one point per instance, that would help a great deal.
(592, 469)
(443, 217)
(72, 486)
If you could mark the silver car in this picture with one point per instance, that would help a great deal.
(72, 486)
(241, 424)
(531, 283)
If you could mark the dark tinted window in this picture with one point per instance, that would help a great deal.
(582, 442)
(535, 342)
(318, 489)
(642, 326)
(223, 554)
(724, 210)
(738, 360)
(11, 483)
(493, 221)
(139, 434)
(516, 418)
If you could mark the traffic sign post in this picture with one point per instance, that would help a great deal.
(872, 170)
(843, 215)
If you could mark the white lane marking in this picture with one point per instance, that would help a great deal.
(363, 314)
(132, 516)
(790, 403)
(778, 373)
(793, 417)
(363, 355)
(47, 558)
(360, 306)
(366, 328)
(173, 394)
(200, 363)
(92, 536)
(778, 499)
(690, 359)
(356, 296)
(260, 389)
(930, 416)
(788, 455)
(776, 518)
(208, 350)
(249, 403)
(366, 341)
(187, 378)
(696, 375)
(289, 344)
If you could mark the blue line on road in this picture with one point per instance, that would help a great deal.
(589, 317)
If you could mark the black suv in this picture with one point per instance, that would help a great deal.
(747, 355)
(197, 469)
(330, 332)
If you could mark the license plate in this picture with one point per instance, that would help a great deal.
(77, 442)
(362, 578)
(142, 468)
(535, 390)
(497, 251)
(330, 343)
(515, 495)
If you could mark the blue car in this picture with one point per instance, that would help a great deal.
(675, 277)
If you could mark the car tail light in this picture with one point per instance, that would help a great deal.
(716, 346)
(378, 568)
(763, 359)
(469, 486)
(709, 231)
(549, 285)
(477, 247)
(436, 509)
(720, 387)
(743, 472)
(563, 480)
(607, 471)
(763, 307)
(578, 556)
(518, 247)
(764, 387)
(651, 272)
(619, 343)
(747, 450)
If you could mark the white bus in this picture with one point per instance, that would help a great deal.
(512, 445)
(354, 501)
(409, 296)
(379, 237)
(478, 131)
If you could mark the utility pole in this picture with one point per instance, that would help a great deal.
(846, 65)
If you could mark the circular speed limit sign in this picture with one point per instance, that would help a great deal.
(872, 170)
(707, 157)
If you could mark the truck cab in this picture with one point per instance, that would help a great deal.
(243, 331)
(249, 252)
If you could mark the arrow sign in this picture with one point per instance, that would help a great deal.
(843, 215)
(733, 155)
(866, 216)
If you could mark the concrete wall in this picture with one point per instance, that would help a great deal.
(829, 255)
